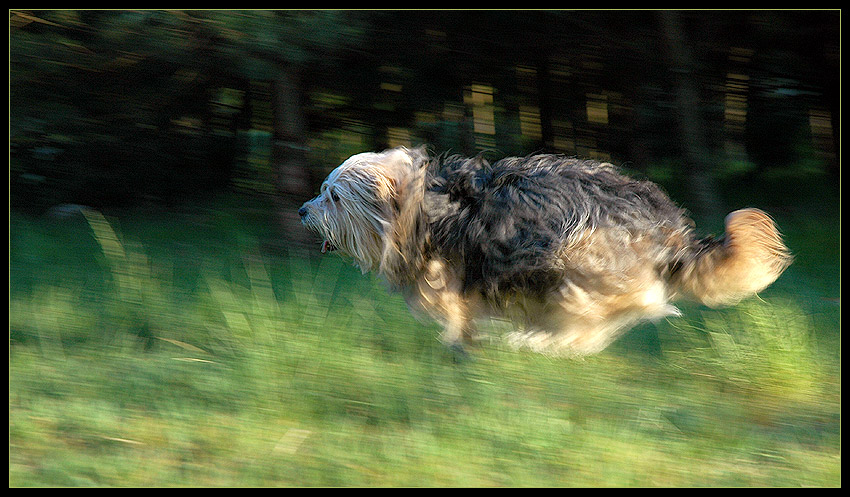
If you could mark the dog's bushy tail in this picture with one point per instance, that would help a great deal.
(745, 261)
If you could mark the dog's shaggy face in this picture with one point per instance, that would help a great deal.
(572, 249)
(357, 202)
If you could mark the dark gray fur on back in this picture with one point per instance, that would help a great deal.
(505, 223)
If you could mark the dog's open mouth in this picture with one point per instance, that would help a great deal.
(328, 247)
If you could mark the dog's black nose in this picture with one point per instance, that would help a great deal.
(302, 211)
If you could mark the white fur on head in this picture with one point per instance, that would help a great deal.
(360, 201)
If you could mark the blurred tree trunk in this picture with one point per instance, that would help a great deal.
(698, 161)
(288, 155)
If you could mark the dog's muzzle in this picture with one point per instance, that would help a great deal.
(327, 246)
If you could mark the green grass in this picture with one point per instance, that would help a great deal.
(178, 352)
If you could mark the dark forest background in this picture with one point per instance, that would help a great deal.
(117, 108)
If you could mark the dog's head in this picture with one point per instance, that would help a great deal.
(362, 201)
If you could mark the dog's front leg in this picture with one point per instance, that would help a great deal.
(457, 331)
(439, 293)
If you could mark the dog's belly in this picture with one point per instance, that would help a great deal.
(577, 321)
(601, 293)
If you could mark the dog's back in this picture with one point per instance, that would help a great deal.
(513, 222)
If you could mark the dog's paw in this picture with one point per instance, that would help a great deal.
(458, 353)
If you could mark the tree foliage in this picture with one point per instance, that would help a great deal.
(121, 106)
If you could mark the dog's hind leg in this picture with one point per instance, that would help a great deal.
(585, 321)
(572, 337)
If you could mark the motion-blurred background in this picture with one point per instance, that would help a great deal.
(171, 323)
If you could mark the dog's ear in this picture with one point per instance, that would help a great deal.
(393, 194)
(386, 187)
(383, 194)
(418, 156)
(400, 175)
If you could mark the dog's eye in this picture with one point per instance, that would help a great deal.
(335, 197)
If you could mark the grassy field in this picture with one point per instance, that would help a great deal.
(182, 349)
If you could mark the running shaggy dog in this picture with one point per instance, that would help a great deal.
(571, 250)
